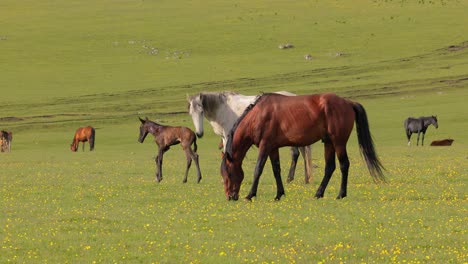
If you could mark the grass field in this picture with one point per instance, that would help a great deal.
(65, 64)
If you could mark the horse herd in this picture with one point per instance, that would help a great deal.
(269, 121)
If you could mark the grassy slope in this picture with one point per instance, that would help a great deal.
(65, 64)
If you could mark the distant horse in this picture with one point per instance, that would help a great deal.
(223, 110)
(6, 137)
(419, 125)
(83, 134)
(444, 142)
(274, 121)
(166, 136)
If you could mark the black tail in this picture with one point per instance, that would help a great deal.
(91, 140)
(366, 144)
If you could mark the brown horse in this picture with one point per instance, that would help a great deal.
(6, 137)
(444, 142)
(166, 136)
(83, 134)
(274, 121)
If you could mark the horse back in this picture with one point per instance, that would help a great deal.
(320, 116)
(84, 133)
(414, 124)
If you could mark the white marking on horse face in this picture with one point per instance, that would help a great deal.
(196, 111)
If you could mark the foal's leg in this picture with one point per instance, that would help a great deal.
(188, 156)
(197, 164)
(159, 160)
(344, 167)
(330, 167)
(275, 164)
(262, 157)
(292, 169)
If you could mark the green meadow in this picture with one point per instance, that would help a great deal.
(66, 64)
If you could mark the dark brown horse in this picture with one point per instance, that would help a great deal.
(274, 121)
(83, 134)
(444, 142)
(166, 136)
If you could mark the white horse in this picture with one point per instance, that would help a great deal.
(223, 109)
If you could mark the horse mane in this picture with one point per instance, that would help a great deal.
(211, 101)
(228, 148)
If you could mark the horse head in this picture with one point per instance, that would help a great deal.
(434, 121)
(196, 111)
(73, 147)
(143, 130)
(233, 175)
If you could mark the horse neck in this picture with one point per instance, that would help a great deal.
(427, 121)
(239, 142)
(238, 103)
(155, 128)
(232, 109)
(239, 147)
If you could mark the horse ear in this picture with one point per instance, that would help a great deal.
(146, 118)
(141, 120)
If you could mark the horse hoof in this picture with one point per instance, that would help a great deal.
(247, 199)
(288, 180)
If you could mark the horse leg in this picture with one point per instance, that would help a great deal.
(344, 167)
(189, 163)
(159, 160)
(195, 158)
(292, 169)
(306, 153)
(330, 167)
(261, 160)
(83, 145)
(417, 142)
(422, 142)
(275, 164)
(408, 135)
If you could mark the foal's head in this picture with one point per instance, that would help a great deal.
(144, 129)
(195, 109)
(233, 175)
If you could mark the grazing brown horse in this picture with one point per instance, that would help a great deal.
(444, 142)
(83, 134)
(6, 137)
(274, 121)
(166, 136)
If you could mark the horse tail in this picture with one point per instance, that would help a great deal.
(91, 139)
(366, 144)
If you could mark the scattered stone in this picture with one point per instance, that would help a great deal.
(286, 46)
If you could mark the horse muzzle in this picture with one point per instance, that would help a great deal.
(233, 197)
(199, 134)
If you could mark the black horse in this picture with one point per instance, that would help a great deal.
(418, 125)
